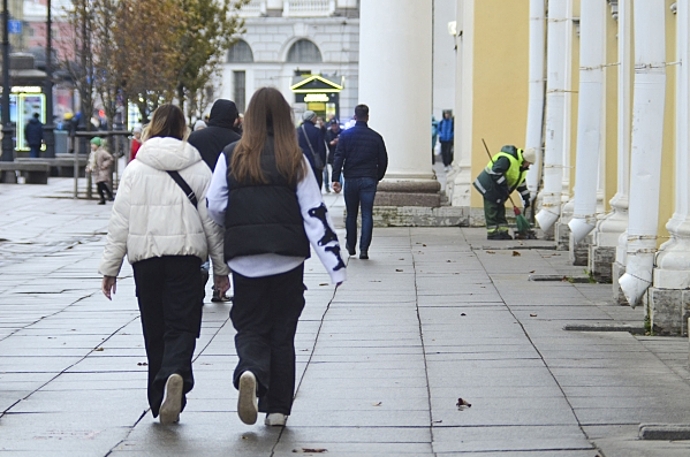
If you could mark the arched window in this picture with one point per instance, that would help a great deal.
(240, 52)
(304, 51)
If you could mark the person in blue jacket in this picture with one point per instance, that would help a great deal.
(33, 132)
(446, 136)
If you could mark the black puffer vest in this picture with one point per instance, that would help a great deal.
(263, 218)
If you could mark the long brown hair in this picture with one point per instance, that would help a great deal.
(167, 121)
(268, 113)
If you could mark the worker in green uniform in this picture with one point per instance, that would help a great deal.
(505, 173)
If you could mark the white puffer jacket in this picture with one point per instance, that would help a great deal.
(152, 216)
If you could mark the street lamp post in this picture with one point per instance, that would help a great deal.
(49, 128)
(7, 130)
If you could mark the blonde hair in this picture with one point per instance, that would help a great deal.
(268, 114)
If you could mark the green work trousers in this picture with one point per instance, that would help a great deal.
(495, 216)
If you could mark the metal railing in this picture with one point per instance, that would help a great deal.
(308, 7)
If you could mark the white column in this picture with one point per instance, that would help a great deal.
(556, 68)
(673, 259)
(535, 109)
(459, 179)
(645, 165)
(590, 116)
(395, 59)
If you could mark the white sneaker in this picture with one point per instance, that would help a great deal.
(247, 403)
(275, 420)
(172, 400)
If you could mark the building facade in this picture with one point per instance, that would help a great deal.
(308, 49)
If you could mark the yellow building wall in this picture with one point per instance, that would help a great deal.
(667, 195)
(610, 149)
(500, 77)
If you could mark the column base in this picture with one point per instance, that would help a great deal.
(562, 236)
(618, 270)
(579, 253)
(421, 216)
(601, 259)
(426, 193)
(668, 310)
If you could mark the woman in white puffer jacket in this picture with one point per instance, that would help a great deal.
(165, 238)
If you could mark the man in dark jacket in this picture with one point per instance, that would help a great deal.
(361, 156)
(503, 174)
(332, 137)
(221, 130)
(33, 132)
(313, 145)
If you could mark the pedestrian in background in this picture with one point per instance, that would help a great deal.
(332, 137)
(33, 132)
(136, 143)
(222, 129)
(100, 166)
(165, 236)
(265, 194)
(311, 140)
(446, 135)
(434, 137)
(361, 156)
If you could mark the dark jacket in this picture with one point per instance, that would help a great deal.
(263, 218)
(219, 132)
(361, 153)
(492, 182)
(315, 137)
(330, 136)
(33, 132)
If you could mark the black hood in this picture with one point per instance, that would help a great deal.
(223, 114)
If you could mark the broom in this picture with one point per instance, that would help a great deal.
(523, 227)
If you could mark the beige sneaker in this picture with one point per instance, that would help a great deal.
(172, 400)
(275, 420)
(247, 403)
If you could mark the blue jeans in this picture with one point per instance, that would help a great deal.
(360, 191)
(34, 151)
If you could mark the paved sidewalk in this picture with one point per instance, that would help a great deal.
(436, 314)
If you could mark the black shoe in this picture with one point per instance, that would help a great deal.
(364, 255)
(102, 202)
(218, 298)
(350, 250)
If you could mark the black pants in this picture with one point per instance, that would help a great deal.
(265, 312)
(104, 190)
(318, 173)
(447, 152)
(170, 303)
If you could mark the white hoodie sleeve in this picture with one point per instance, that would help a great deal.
(217, 195)
(118, 228)
(318, 226)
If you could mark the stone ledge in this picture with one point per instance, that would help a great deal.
(419, 216)
(664, 432)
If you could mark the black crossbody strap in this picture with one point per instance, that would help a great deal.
(185, 187)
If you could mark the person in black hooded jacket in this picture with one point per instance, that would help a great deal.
(221, 130)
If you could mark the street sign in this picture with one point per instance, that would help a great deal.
(14, 27)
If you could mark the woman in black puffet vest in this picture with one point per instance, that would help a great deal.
(265, 194)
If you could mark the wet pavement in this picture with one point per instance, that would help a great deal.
(436, 314)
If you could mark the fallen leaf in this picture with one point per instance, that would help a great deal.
(491, 252)
(142, 364)
(99, 349)
(401, 259)
(377, 404)
(532, 271)
(516, 254)
(398, 270)
(306, 450)
(462, 403)
(533, 315)
(449, 261)
(438, 421)
(323, 284)
(463, 314)
(424, 245)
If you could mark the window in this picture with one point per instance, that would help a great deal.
(304, 51)
(239, 79)
(240, 52)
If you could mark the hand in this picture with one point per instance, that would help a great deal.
(221, 283)
(336, 187)
(109, 286)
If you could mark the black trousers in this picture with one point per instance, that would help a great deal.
(447, 152)
(104, 190)
(265, 312)
(170, 302)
